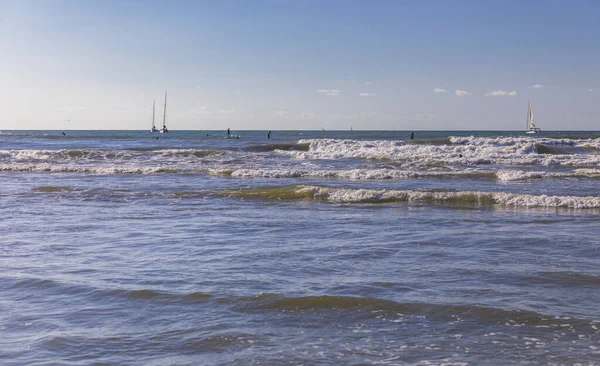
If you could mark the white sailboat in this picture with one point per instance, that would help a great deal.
(164, 128)
(153, 129)
(531, 128)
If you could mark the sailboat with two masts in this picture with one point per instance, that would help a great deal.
(531, 128)
(164, 128)
(153, 129)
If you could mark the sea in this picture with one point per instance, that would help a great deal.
(305, 248)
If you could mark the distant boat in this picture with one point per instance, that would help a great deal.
(153, 129)
(164, 128)
(531, 128)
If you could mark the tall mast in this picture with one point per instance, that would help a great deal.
(165, 111)
(153, 109)
(528, 115)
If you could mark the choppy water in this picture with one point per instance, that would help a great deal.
(329, 248)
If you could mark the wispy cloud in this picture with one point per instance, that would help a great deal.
(462, 93)
(440, 90)
(536, 86)
(592, 90)
(330, 92)
(201, 109)
(367, 94)
(307, 115)
(281, 113)
(501, 93)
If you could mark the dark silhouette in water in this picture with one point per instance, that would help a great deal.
(228, 132)
(412, 135)
(269, 135)
(64, 134)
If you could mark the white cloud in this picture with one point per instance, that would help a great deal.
(462, 93)
(592, 90)
(536, 86)
(440, 90)
(368, 82)
(281, 113)
(501, 93)
(307, 115)
(330, 92)
(367, 94)
(201, 109)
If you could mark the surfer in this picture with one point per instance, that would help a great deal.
(64, 134)
(412, 135)
(269, 135)
(228, 132)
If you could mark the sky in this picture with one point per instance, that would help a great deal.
(300, 64)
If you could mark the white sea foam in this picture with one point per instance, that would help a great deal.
(108, 169)
(352, 174)
(341, 195)
(90, 155)
(385, 174)
(459, 151)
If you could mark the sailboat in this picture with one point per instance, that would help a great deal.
(164, 128)
(531, 128)
(153, 129)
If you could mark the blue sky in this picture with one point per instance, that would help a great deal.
(300, 64)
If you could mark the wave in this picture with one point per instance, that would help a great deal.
(103, 155)
(368, 307)
(54, 189)
(390, 174)
(353, 174)
(346, 195)
(36, 285)
(149, 294)
(109, 169)
(459, 151)
(376, 307)
(280, 146)
(564, 150)
(567, 278)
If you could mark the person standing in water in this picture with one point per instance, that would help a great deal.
(412, 135)
(228, 132)
(269, 135)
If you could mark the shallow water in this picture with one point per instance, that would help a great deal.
(313, 247)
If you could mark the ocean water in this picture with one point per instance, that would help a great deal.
(309, 248)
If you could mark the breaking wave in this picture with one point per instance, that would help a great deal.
(460, 151)
(111, 169)
(390, 174)
(102, 155)
(353, 174)
(345, 195)
(281, 146)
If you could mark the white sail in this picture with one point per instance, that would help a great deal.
(153, 129)
(164, 128)
(531, 127)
